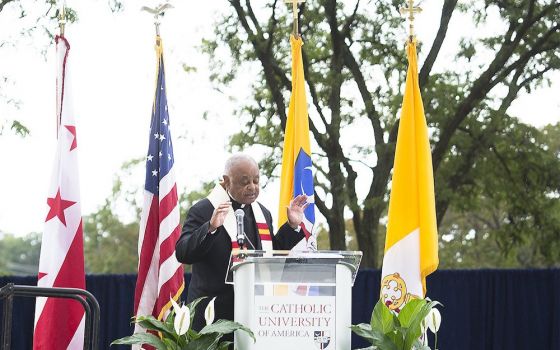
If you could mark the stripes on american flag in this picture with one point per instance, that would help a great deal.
(160, 275)
(59, 323)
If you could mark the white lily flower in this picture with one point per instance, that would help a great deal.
(209, 313)
(424, 326)
(433, 320)
(182, 318)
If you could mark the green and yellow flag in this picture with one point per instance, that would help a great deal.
(411, 244)
(297, 172)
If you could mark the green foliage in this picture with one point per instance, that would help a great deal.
(19, 128)
(43, 29)
(355, 65)
(350, 237)
(207, 339)
(110, 246)
(20, 255)
(508, 215)
(187, 199)
(387, 331)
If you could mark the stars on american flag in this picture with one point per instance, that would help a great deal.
(161, 137)
(159, 160)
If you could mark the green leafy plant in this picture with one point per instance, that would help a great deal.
(175, 333)
(387, 331)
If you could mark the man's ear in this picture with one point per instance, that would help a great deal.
(225, 182)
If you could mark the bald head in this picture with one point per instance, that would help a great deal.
(241, 178)
(236, 160)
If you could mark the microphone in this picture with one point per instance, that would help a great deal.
(239, 214)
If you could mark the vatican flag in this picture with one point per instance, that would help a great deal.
(411, 244)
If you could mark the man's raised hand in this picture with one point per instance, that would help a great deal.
(218, 216)
(295, 210)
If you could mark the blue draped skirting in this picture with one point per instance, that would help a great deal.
(482, 309)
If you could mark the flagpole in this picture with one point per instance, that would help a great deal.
(61, 263)
(61, 25)
(158, 12)
(295, 30)
(411, 10)
(158, 280)
(62, 18)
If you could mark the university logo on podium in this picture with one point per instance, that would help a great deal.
(322, 339)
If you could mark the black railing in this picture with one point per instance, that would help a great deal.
(85, 298)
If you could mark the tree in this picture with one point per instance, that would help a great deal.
(20, 255)
(111, 245)
(44, 25)
(512, 208)
(110, 233)
(355, 65)
(42, 29)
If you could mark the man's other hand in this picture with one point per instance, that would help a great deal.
(218, 216)
(295, 210)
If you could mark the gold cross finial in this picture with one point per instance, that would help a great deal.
(411, 10)
(295, 11)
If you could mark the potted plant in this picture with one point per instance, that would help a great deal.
(405, 331)
(175, 332)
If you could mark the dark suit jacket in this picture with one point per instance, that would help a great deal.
(209, 255)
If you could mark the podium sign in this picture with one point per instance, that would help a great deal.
(300, 299)
(294, 321)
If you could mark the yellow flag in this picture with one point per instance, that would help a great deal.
(411, 244)
(297, 173)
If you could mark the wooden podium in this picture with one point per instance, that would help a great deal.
(293, 300)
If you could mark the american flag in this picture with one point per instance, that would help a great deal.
(160, 275)
(59, 323)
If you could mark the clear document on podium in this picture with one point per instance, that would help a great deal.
(294, 266)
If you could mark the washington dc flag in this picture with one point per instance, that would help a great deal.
(59, 323)
(411, 244)
(297, 171)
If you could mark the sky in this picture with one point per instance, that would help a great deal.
(114, 59)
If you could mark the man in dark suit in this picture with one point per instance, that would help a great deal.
(209, 233)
